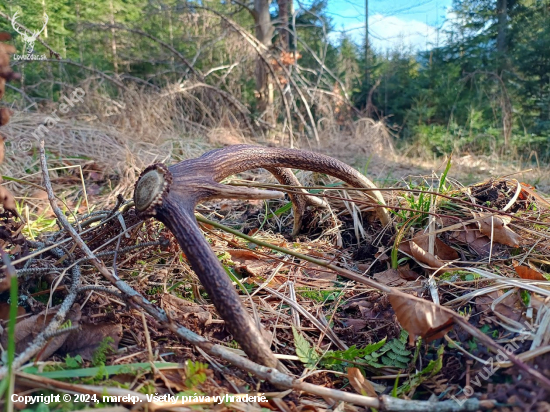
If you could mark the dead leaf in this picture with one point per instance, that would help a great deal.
(313, 273)
(423, 256)
(27, 330)
(355, 324)
(362, 267)
(489, 224)
(405, 247)
(418, 248)
(5, 311)
(442, 250)
(86, 340)
(511, 307)
(173, 379)
(420, 317)
(477, 242)
(249, 263)
(364, 307)
(406, 273)
(359, 383)
(525, 272)
(177, 308)
(5, 115)
(393, 278)
(532, 191)
(6, 199)
(466, 235)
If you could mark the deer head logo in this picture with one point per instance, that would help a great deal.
(29, 39)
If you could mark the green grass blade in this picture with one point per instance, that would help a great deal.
(10, 272)
(105, 370)
(280, 211)
(444, 175)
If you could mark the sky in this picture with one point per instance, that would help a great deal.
(391, 22)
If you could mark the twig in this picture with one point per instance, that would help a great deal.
(95, 288)
(25, 96)
(90, 69)
(155, 39)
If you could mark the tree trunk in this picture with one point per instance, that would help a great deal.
(502, 22)
(283, 25)
(264, 32)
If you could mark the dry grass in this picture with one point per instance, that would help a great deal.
(122, 136)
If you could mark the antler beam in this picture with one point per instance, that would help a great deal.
(170, 194)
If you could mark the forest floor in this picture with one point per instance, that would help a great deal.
(487, 259)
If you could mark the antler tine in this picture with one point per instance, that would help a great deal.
(171, 194)
(238, 158)
(299, 202)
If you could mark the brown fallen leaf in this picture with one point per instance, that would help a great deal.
(530, 190)
(177, 308)
(359, 383)
(442, 250)
(356, 325)
(468, 234)
(310, 273)
(418, 248)
(420, 317)
(27, 330)
(5, 115)
(393, 278)
(173, 379)
(86, 340)
(476, 241)
(6, 199)
(407, 273)
(423, 256)
(525, 272)
(497, 226)
(511, 307)
(249, 263)
(5, 311)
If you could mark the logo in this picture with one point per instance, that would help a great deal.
(29, 40)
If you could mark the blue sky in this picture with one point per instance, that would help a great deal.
(392, 22)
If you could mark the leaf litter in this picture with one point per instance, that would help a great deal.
(371, 325)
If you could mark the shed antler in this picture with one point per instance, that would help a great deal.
(170, 194)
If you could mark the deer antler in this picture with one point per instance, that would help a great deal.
(170, 194)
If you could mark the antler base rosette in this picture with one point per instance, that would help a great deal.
(170, 194)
